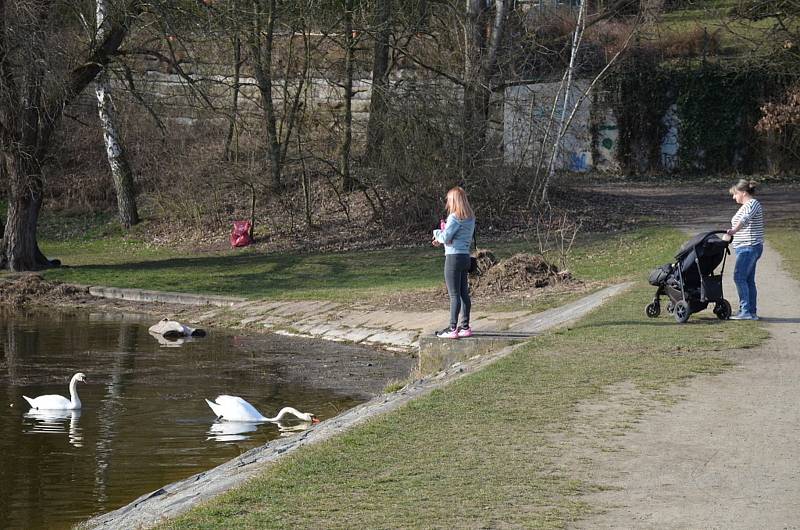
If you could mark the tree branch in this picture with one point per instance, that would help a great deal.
(84, 74)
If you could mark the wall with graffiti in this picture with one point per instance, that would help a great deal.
(532, 114)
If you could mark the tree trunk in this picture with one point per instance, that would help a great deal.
(262, 68)
(20, 250)
(562, 124)
(121, 172)
(230, 154)
(380, 81)
(348, 183)
(30, 110)
(482, 45)
(474, 117)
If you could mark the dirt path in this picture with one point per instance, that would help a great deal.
(728, 454)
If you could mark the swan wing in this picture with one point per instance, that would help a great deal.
(50, 402)
(234, 408)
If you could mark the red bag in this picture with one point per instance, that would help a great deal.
(240, 236)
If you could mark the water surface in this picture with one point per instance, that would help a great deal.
(144, 422)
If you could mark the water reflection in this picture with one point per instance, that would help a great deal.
(171, 342)
(231, 431)
(54, 422)
(288, 429)
(237, 431)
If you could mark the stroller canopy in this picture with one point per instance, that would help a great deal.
(709, 250)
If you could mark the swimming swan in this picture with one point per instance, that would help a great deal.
(56, 402)
(234, 408)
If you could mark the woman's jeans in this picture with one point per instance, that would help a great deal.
(455, 276)
(744, 276)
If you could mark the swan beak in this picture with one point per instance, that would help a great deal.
(314, 420)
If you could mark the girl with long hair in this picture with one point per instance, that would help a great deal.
(456, 235)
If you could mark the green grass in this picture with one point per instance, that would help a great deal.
(733, 36)
(785, 238)
(119, 261)
(480, 452)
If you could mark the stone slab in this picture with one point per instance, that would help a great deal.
(143, 295)
(350, 334)
(402, 339)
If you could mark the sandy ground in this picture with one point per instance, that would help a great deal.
(727, 455)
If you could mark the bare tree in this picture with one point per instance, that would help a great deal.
(382, 21)
(348, 183)
(262, 39)
(36, 84)
(482, 40)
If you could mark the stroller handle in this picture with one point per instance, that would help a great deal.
(727, 241)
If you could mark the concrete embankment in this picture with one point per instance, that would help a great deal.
(405, 331)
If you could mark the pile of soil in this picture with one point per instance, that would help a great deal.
(28, 289)
(520, 272)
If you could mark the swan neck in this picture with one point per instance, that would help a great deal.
(73, 392)
(283, 412)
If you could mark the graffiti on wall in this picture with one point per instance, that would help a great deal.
(670, 143)
(606, 142)
(530, 126)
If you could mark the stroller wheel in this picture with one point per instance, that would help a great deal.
(653, 309)
(722, 309)
(682, 312)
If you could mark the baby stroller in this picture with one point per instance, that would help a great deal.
(690, 282)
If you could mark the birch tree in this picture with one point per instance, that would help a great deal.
(121, 172)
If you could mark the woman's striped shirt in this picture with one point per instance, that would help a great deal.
(751, 216)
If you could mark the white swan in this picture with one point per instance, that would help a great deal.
(234, 408)
(56, 402)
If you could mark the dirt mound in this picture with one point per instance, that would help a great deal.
(520, 272)
(33, 289)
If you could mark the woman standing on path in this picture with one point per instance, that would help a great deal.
(456, 235)
(747, 231)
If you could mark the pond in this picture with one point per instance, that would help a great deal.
(144, 422)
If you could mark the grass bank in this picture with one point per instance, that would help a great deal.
(117, 261)
(484, 451)
(481, 451)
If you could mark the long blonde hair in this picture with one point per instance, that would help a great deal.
(458, 204)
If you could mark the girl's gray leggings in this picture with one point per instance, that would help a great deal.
(455, 276)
